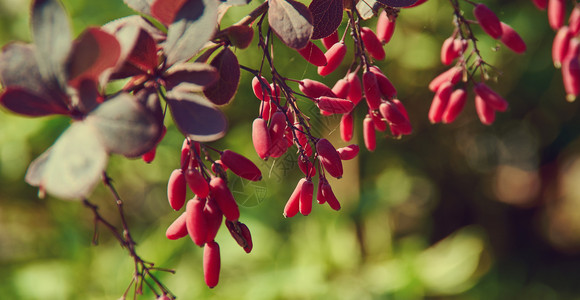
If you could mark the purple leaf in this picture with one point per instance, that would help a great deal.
(72, 167)
(165, 11)
(114, 26)
(193, 26)
(141, 6)
(192, 77)
(224, 90)
(397, 3)
(327, 16)
(196, 117)
(125, 125)
(94, 52)
(24, 102)
(51, 33)
(291, 21)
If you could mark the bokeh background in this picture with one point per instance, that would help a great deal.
(459, 211)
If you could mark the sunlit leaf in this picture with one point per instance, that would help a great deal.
(196, 117)
(72, 167)
(51, 33)
(21, 101)
(18, 68)
(367, 9)
(193, 26)
(327, 16)
(397, 3)
(225, 88)
(192, 77)
(236, 2)
(125, 126)
(141, 6)
(291, 21)
(166, 10)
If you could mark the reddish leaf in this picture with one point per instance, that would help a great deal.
(26, 103)
(327, 16)
(93, 52)
(193, 26)
(196, 117)
(142, 6)
(397, 3)
(291, 21)
(51, 33)
(224, 90)
(72, 167)
(144, 53)
(165, 11)
(190, 76)
(240, 35)
(125, 126)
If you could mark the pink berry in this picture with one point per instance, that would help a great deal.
(211, 264)
(334, 57)
(488, 20)
(176, 189)
(313, 54)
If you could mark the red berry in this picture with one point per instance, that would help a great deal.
(313, 54)
(211, 264)
(315, 89)
(195, 221)
(241, 166)
(369, 134)
(491, 98)
(346, 126)
(176, 189)
(560, 45)
(380, 124)
(512, 39)
(247, 237)
(261, 88)
(334, 105)
(196, 183)
(185, 154)
(325, 194)
(386, 87)
(277, 126)
(214, 218)
(372, 44)
(401, 108)
(177, 229)
(556, 13)
(341, 88)
(224, 198)
(485, 112)
(455, 106)
(330, 40)
(453, 75)
(261, 138)
(305, 203)
(541, 4)
(574, 21)
(306, 166)
(571, 78)
(293, 204)
(334, 57)
(329, 158)
(355, 88)
(349, 152)
(450, 50)
(385, 28)
(149, 156)
(372, 91)
(391, 113)
(440, 102)
(488, 20)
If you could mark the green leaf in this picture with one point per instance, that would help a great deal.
(72, 167)
(196, 117)
(291, 21)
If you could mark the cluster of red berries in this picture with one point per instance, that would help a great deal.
(213, 201)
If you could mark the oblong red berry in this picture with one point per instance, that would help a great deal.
(391, 113)
(293, 203)
(488, 20)
(196, 183)
(195, 221)
(571, 78)
(325, 194)
(261, 138)
(305, 203)
(211, 264)
(512, 39)
(334, 57)
(385, 27)
(560, 45)
(440, 101)
(334, 105)
(455, 106)
(306, 166)
(369, 134)
(247, 235)
(240, 165)
(448, 51)
(277, 126)
(386, 87)
(485, 112)
(490, 97)
(349, 152)
(315, 89)
(149, 156)
(541, 4)
(329, 158)
(341, 88)
(346, 126)
(261, 88)
(313, 54)
(574, 21)
(452, 75)
(401, 108)
(372, 91)
(302, 139)
(556, 13)
(372, 43)
(330, 40)
(185, 154)
(355, 88)
(178, 228)
(380, 124)
(176, 189)
(214, 218)
(224, 198)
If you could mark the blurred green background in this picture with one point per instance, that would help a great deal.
(460, 211)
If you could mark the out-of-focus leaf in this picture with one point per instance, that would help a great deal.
(51, 33)
(236, 2)
(192, 77)
(89, 96)
(21, 101)
(18, 68)
(225, 88)
(366, 9)
(397, 3)
(291, 21)
(138, 21)
(165, 11)
(144, 54)
(141, 6)
(196, 117)
(72, 167)
(193, 26)
(326, 15)
(93, 52)
(125, 126)
(241, 36)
